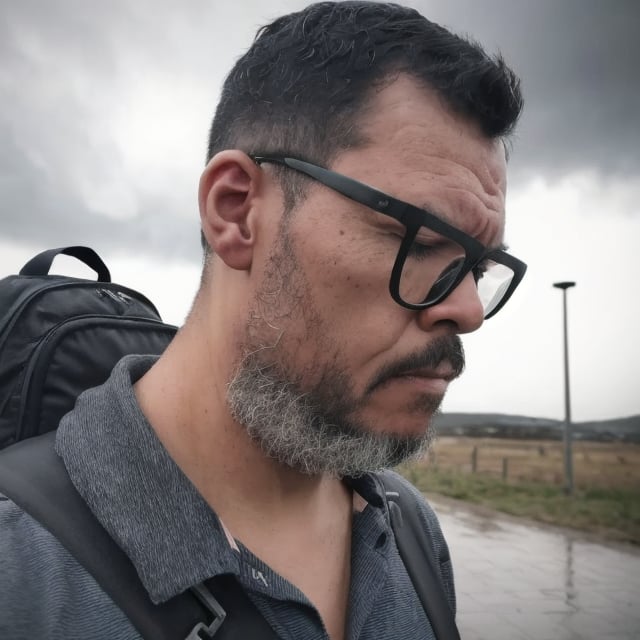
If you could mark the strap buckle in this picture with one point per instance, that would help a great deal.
(202, 631)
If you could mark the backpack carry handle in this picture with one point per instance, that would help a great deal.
(39, 265)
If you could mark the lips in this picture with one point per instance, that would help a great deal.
(440, 373)
(423, 381)
(429, 381)
(438, 363)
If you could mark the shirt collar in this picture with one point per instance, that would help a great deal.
(140, 495)
(136, 490)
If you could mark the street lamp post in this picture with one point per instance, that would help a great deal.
(568, 456)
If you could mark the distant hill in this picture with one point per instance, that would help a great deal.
(497, 425)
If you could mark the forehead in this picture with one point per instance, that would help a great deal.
(419, 151)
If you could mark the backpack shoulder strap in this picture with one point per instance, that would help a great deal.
(418, 557)
(34, 477)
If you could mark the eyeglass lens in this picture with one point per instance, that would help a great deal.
(494, 284)
(433, 265)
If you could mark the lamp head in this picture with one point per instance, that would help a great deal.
(564, 285)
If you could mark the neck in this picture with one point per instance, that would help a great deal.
(299, 525)
(184, 398)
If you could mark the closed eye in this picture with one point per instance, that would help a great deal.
(480, 269)
(434, 247)
(421, 251)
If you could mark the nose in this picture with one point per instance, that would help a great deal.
(462, 308)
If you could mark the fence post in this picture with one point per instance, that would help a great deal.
(505, 468)
(474, 459)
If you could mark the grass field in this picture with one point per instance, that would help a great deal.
(526, 478)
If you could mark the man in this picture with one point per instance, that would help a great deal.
(319, 346)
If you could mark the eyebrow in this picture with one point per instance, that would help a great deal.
(433, 212)
(501, 247)
(444, 218)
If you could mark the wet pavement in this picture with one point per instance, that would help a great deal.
(519, 581)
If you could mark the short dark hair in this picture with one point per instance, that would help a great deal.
(300, 87)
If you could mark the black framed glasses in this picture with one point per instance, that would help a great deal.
(434, 257)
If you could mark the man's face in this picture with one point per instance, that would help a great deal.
(333, 375)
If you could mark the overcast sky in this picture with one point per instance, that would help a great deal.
(104, 112)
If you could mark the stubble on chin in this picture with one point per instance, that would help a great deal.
(292, 392)
(291, 427)
(307, 417)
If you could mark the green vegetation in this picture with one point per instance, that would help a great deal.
(611, 513)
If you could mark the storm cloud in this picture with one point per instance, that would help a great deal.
(104, 108)
(579, 63)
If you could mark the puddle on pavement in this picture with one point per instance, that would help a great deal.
(537, 581)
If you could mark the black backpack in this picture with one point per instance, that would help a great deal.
(62, 335)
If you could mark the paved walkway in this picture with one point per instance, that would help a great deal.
(519, 581)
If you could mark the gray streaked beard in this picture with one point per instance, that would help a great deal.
(312, 432)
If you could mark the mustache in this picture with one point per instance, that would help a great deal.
(444, 349)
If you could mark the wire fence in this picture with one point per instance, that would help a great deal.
(596, 464)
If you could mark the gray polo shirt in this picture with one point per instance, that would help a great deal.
(176, 541)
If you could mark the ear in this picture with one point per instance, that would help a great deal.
(228, 193)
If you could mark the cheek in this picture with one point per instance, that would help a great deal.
(349, 284)
(351, 268)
